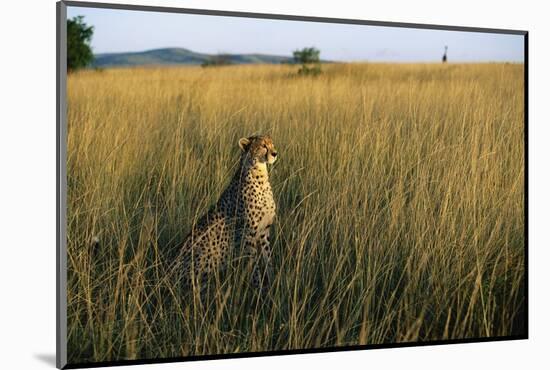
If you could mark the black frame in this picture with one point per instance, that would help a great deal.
(61, 186)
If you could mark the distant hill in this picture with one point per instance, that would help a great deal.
(178, 56)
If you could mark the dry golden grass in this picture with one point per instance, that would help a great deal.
(400, 193)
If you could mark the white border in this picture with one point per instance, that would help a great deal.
(27, 194)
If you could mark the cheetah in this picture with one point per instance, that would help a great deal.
(239, 223)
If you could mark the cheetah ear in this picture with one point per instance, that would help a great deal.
(243, 144)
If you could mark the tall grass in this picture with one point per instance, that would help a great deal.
(400, 206)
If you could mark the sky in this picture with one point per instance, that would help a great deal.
(131, 30)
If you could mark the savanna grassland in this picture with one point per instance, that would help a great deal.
(400, 206)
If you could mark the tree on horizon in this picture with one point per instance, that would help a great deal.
(309, 59)
(79, 36)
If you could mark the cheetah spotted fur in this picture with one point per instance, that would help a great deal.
(239, 222)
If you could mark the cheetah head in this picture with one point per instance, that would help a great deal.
(258, 149)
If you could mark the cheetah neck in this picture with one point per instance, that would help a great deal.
(249, 178)
(245, 176)
(252, 171)
(259, 169)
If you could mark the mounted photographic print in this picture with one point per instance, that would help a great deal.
(235, 184)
